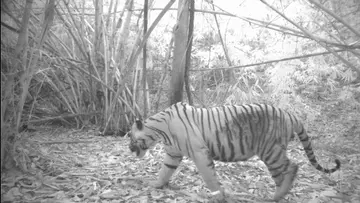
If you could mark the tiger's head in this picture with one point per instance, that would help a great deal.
(141, 139)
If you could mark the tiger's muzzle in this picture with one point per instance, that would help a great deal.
(140, 149)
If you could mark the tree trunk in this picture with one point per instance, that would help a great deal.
(188, 50)
(23, 36)
(178, 66)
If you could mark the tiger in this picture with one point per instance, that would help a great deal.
(228, 133)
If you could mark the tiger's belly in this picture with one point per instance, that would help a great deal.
(230, 150)
(232, 158)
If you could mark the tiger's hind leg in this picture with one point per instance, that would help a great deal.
(281, 169)
(286, 185)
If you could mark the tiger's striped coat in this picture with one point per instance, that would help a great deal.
(227, 133)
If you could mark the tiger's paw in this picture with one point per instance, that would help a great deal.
(159, 185)
(217, 197)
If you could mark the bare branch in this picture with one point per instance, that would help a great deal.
(272, 61)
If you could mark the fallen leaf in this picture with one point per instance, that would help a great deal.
(156, 195)
(329, 193)
(314, 200)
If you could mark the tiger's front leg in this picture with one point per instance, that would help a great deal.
(205, 164)
(171, 162)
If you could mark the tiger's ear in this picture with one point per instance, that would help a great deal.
(139, 124)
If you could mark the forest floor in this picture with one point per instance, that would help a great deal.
(64, 165)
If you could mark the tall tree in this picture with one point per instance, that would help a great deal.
(178, 67)
(188, 50)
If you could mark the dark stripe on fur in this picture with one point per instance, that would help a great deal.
(171, 166)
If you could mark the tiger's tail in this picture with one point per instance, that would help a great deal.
(304, 138)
